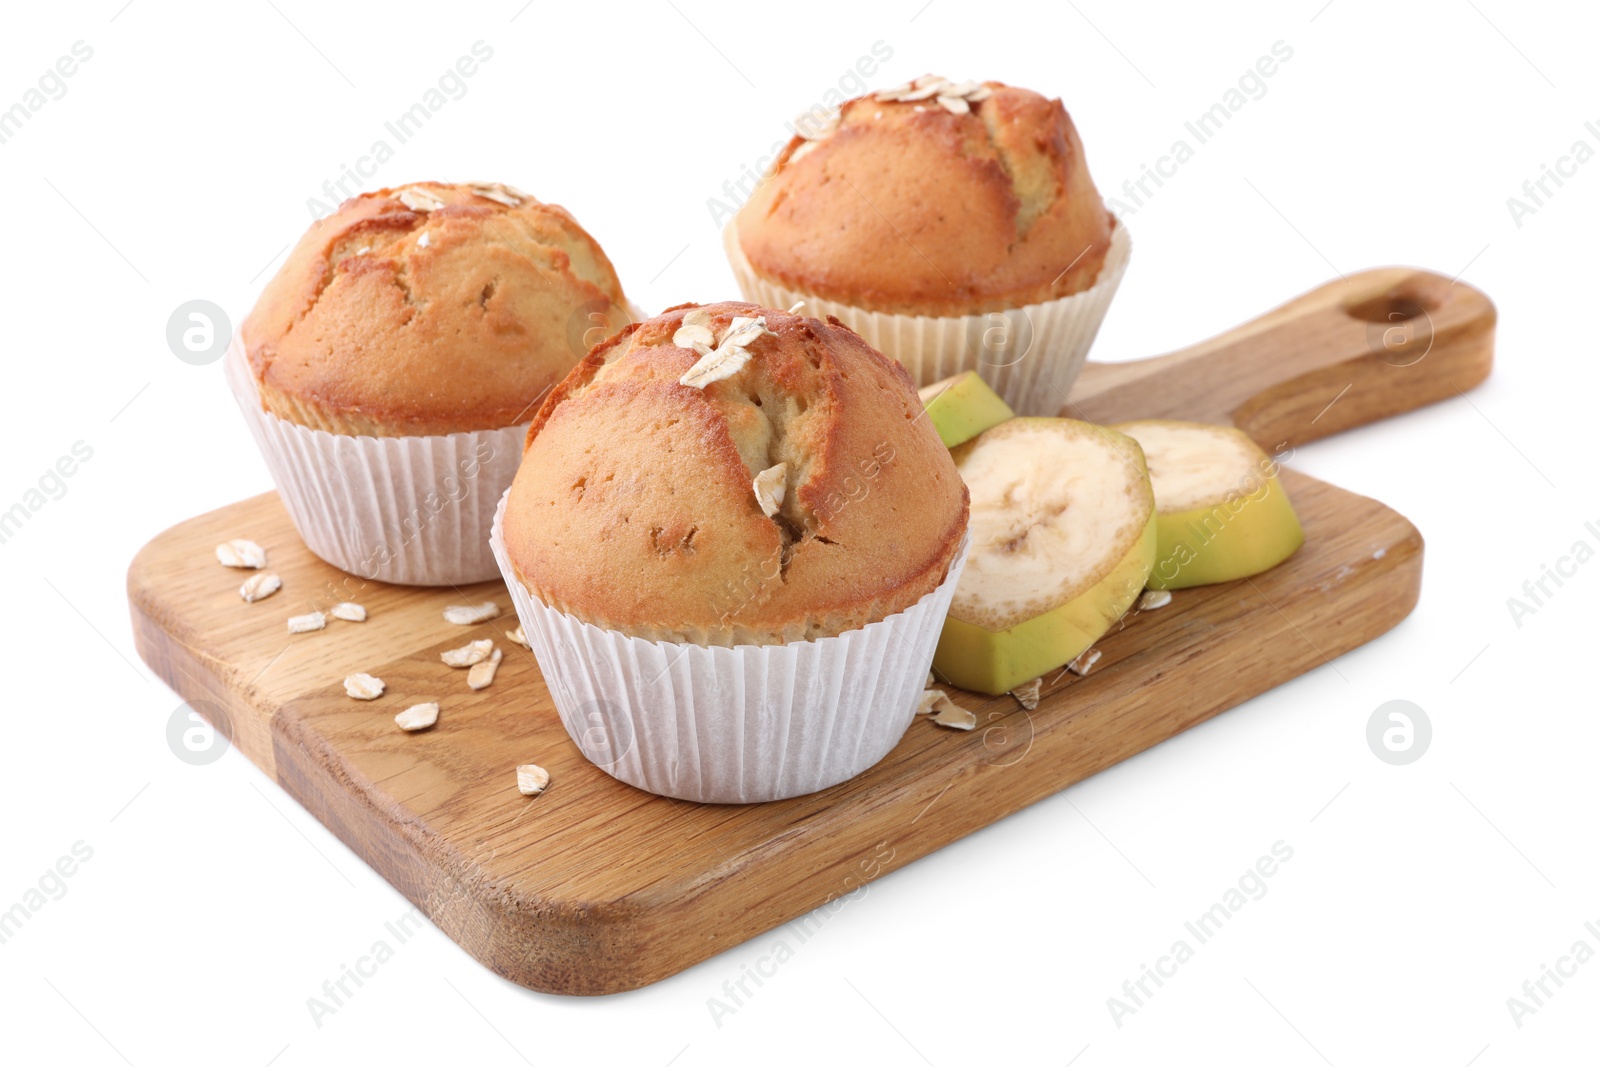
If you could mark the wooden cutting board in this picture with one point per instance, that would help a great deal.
(596, 887)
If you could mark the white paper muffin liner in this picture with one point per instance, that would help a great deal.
(1029, 355)
(733, 725)
(408, 510)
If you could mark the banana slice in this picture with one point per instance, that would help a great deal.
(1221, 513)
(962, 407)
(1063, 527)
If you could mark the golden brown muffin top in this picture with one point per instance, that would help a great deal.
(429, 309)
(933, 199)
(635, 507)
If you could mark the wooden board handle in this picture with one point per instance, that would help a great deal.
(1371, 345)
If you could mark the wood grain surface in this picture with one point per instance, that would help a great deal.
(595, 887)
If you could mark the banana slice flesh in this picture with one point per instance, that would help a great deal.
(1222, 513)
(1063, 538)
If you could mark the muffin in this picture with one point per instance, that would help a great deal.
(954, 226)
(389, 366)
(732, 542)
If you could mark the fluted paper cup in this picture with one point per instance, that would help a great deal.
(1029, 355)
(408, 510)
(733, 725)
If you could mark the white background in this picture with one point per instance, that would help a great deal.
(177, 166)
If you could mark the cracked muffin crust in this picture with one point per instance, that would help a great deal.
(909, 207)
(635, 508)
(428, 309)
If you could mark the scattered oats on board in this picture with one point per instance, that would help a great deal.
(260, 586)
(482, 673)
(242, 553)
(419, 200)
(469, 654)
(1153, 599)
(770, 486)
(947, 712)
(304, 624)
(348, 612)
(363, 686)
(471, 616)
(517, 637)
(417, 717)
(1027, 693)
(1085, 662)
(926, 702)
(532, 779)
